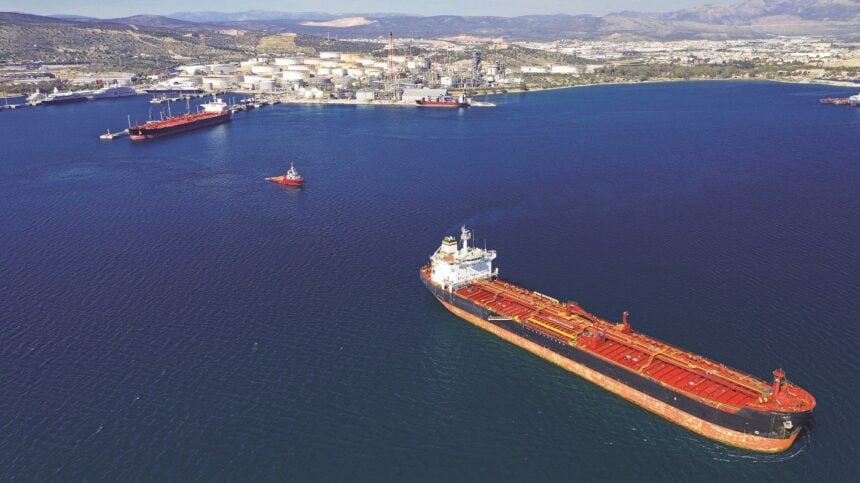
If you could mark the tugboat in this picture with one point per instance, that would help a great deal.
(292, 178)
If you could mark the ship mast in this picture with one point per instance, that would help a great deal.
(465, 235)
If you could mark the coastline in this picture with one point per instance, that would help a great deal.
(667, 81)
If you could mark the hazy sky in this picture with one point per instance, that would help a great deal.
(112, 8)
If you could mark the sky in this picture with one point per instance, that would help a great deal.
(109, 9)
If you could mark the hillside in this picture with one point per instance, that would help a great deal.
(31, 38)
(747, 19)
(141, 43)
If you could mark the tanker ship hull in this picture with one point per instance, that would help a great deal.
(138, 133)
(762, 431)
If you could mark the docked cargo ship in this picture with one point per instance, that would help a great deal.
(112, 92)
(174, 88)
(212, 113)
(65, 97)
(690, 390)
(443, 101)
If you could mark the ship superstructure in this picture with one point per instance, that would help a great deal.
(455, 266)
(690, 390)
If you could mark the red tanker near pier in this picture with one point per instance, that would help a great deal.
(212, 113)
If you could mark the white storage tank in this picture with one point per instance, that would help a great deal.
(373, 72)
(366, 61)
(287, 61)
(192, 69)
(364, 96)
(355, 72)
(266, 70)
(267, 85)
(329, 63)
(221, 82)
(311, 61)
(338, 72)
(299, 67)
(329, 55)
(191, 79)
(222, 69)
(246, 64)
(294, 75)
(323, 71)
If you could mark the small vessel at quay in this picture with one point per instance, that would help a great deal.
(692, 391)
(443, 101)
(292, 178)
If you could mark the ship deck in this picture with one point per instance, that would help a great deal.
(179, 120)
(684, 372)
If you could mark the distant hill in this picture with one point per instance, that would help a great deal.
(747, 19)
(142, 43)
(118, 43)
(157, 21)
(266, 15)
(218, 17)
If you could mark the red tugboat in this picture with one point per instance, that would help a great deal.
(690, 390)
(214, 112)
(292, 178)
(443, 101)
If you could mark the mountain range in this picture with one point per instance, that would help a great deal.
(746, 19)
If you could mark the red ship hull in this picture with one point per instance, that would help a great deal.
(286, 181)
(176, 125)
(689, 390)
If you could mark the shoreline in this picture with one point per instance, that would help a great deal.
(668, 81)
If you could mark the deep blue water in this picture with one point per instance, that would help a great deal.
(165, 314)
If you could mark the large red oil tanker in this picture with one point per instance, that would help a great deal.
(212, 113)
(692, 391)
